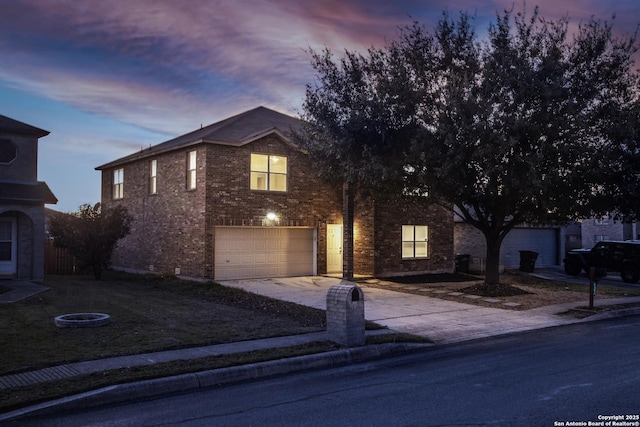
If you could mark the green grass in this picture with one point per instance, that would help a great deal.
(526, 279)
(148, 313)
(29, 395)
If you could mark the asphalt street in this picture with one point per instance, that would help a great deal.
(570, 374)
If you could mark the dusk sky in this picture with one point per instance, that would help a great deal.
(109, 77)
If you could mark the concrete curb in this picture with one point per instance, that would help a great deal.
(615, 313)
(204, 379)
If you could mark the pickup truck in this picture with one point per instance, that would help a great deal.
(623, 257)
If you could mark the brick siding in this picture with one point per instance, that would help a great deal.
(175, 228)
(390, 216)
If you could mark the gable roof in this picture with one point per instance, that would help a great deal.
(10, 125)
(235, 131)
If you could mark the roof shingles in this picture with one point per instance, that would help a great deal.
(39, 192)
(236, 131)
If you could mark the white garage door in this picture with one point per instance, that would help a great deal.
(260, 252)
(541, 240)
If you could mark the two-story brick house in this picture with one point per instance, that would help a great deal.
(237, 199)
(22, 200)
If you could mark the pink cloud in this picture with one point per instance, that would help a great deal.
(141, 61)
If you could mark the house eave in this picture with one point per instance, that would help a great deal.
(38, 193)
(152, 151)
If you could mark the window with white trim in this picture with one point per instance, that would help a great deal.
(118, 183)
(191, 170)
(153, 176)
(415, 241)
(268, 172)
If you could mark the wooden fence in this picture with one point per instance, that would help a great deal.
(57, 260)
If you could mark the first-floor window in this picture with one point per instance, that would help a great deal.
(118, 183)
(7, 239)
(191, 170)
(415, 241)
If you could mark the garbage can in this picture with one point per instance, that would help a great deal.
(462, 263)
(528, 261)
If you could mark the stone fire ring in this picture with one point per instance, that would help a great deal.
(82, 320)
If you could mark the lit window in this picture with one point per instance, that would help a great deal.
(415, 241)
(268, 172)
(118, 183)
(153, 174)
(191, 170)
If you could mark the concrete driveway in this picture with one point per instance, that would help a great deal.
(440, 320)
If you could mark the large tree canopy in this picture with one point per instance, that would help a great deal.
(527, 124)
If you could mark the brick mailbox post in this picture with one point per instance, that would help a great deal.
(345, 315)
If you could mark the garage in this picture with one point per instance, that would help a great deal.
(544, 241)
(263, 252)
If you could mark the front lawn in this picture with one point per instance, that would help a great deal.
(148, 313)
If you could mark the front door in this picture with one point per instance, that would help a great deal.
(8, 246)
(334, 248)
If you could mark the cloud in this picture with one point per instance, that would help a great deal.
(165, 65)
(206, 48)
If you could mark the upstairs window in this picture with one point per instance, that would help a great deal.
(191, 170)
(8, 151)
(153, 174)
(268, 173)
(118, 183)
(415, 241)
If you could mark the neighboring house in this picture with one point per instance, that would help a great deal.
(605, 228)
(22, 200)
(549, 242)
(237, 199)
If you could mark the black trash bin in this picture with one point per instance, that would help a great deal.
(462, 263)
(528, 261)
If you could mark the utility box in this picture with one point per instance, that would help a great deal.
(345, 315)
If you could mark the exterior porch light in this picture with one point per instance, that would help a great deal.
(271, 216)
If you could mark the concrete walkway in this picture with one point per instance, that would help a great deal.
(20, 289)
(440, 320)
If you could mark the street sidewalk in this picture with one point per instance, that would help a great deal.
(440, 320)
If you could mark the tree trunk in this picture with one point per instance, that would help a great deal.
(347, 231)
(492, 268)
